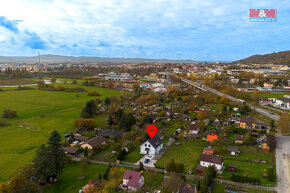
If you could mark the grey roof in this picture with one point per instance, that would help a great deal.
(232, 148)
(155, 141)
(111, 133)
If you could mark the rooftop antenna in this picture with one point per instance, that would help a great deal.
(38, 57)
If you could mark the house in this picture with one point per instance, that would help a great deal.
(260, 126)
(283, 102)
(133, 180)
(233, 150)
(207, 160)
(239, 139)
(193, 128)
(212, 135)
(152, 146)
(81, 138)
(208, 150)
(185, 187)
(216, 122)
(111, 133)
(247, 122)
(233, 168)
(199, 169)
(72, 151)
(90, 185)
(96, 142)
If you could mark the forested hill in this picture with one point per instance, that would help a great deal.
(273, 58)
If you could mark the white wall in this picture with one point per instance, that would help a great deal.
(207, 164)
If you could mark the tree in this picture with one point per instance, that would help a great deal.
(247, 139)
(9, 113)
(256, 97)
(84, 124)
(141, 166)
(89, 110)
(116, 174)
(284, 123)
(105, 177)
(110, 121)
(121, 155)
(49, 161)
(56, 155)
(74, 82)
(86, 153)
(107, 101)
(123, 121)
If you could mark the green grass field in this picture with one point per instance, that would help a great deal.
(73, 178)
(187, 153)
(272, 94)
(20, 139)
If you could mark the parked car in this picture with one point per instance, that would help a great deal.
(146, 160)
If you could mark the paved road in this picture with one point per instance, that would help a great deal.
(257, 109)
(283, 163)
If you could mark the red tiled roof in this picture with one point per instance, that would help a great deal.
(193, 127)
(211, 158)
(133, 177)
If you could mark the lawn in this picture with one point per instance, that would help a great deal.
(134, 156)
(249, 168)
(187, 153)
(73, 178)
(20, 139)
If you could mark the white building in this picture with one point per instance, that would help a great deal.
(207, 160)
(152, 146)
(119, 77)
(133, 180)
(283, 102)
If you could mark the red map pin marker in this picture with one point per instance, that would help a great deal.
(151, 130)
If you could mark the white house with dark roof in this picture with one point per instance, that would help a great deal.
(152, 146)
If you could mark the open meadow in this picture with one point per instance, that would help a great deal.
(39, 113)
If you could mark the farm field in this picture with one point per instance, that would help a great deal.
(20, 139)
(187, 153)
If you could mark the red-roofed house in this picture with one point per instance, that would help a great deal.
(133, 180)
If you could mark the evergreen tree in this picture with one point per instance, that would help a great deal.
(40, 170)
(56, 156)
(107, 101)
(110, 121)
(89, 110)
(123, 122)
(105, 177)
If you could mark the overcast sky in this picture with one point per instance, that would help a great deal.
(174, 29)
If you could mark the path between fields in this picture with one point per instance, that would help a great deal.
(131, 165)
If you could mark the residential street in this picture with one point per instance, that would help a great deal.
(283, 164)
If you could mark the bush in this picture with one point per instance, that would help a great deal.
(3, 123)
(93, 93)
(9, 113)
(121, 155)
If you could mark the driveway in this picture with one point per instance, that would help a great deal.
(150, 163)
(283, 163)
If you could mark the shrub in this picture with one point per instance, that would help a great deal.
(3, 123)
(9, 113)
(93, 93)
